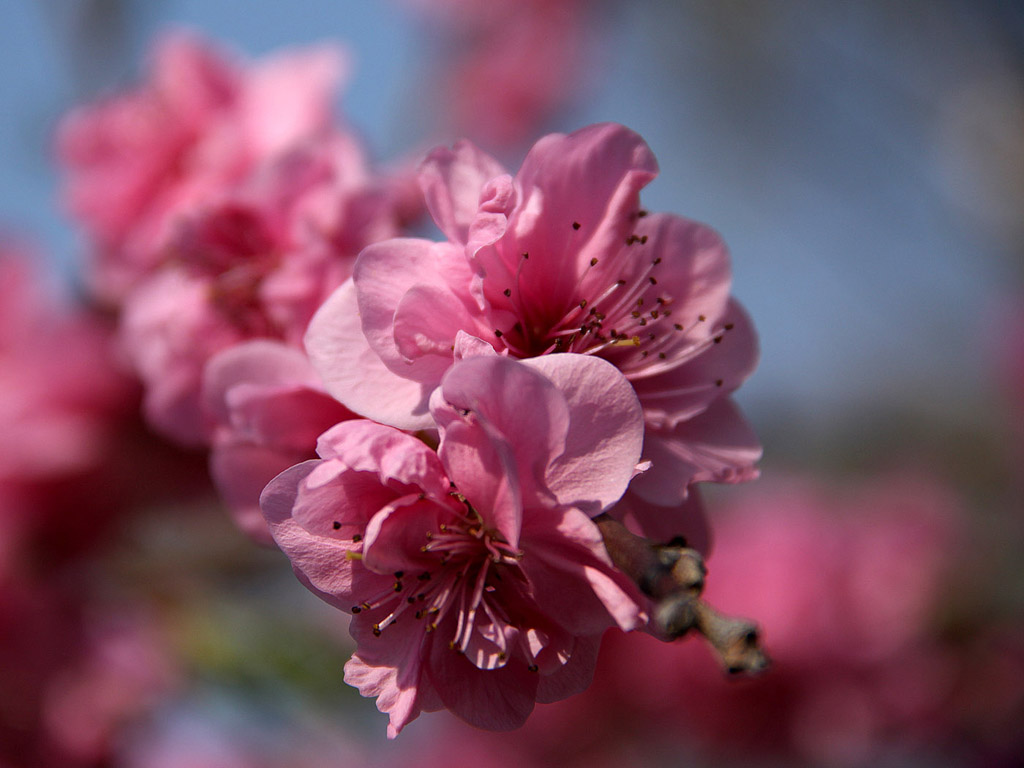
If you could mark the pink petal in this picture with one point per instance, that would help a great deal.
(452, 180)
(289, 97)
(590, 178)
(515, 401)
(573, 677)
(261, 362)
(241, 471)
(396, 535)
(427, 323)
(315, 559)
(717, 445)
(606, 431)
(354, 374)
(483, 467)
(396, 459)
(676, 395)
(496, 699)
(389, 667)
(573, 579)
(662, 524)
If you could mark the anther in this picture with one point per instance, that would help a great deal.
(593, 262)
(507, 292)
(336, 525)
(356, 538)
(575, 225)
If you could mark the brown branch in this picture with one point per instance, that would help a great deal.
(673, 577)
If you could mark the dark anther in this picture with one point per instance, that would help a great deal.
(356, 538)
(575, 225)
(399, 574)
(718, 339)
(719, 382)
(497, 333)
(583, 305)
(678, 327)
(507, 292)
(336, 525)
(356, 609)
(729, 326)
(593, 262)
(643, 239)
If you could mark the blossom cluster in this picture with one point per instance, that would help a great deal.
(427, 429)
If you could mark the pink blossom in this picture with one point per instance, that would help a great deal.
(62, 402)
(199, 122)
(508, 65)
(477, 581)
(560, 258)
(255, 261)
(269, 408)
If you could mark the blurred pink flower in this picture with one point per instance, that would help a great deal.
(477, 580)
(200, 122)
(252, 261)
(61, 403)
(507, 66)
(560, 258)
(73, 674)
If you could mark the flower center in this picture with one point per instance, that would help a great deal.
(472, 566)
(624, 315)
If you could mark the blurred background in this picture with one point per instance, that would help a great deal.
(865, 164)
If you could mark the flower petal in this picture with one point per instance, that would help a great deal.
(606, 431)
(519, 403)
(355, 374)
(452, 180)
(717, 445)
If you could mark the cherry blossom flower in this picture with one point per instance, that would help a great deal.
(200, 122)
(560, 258)
(477, 581)
(255, 261)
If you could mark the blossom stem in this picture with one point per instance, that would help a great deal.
(673, 577)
